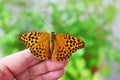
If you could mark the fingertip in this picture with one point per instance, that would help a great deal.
(55, 75)
(55, 65)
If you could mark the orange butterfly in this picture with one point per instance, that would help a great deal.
(57, 47)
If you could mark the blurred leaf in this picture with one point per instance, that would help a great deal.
(97, 76)
(107, 70)
(80, 64)
(117, 56)
(86, 73)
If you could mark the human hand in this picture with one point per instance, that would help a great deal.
(23, 66)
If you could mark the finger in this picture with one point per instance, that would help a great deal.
(51, 75)
(18, 62)
(46, 66)
(5, 74)
(41, 68)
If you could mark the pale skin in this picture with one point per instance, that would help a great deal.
(24, 66)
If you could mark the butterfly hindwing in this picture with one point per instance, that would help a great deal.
(65, 45)
(38, 42)
(60, 53)
(41, 51)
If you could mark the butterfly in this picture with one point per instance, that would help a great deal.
(57, 47)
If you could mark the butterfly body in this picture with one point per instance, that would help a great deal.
(57, 47)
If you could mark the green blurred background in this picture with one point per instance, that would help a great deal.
(90, 20)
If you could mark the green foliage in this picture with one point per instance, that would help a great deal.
(107, 70)
(76, 17)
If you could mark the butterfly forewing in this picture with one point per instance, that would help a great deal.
(38, 42)
(30, 39)
(65, 45)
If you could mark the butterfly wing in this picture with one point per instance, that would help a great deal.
(65, 45)
(38, 42)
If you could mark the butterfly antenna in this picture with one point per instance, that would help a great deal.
(47, 24)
